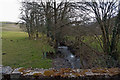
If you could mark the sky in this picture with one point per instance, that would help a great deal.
(10, 10)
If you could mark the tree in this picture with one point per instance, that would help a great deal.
(104, 12)
(51, 17)
(57, 16)
(115, 35)
(32, 17)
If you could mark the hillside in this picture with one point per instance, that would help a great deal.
(10, 26)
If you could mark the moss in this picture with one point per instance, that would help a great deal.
(21, 69)
(37, 74)
(49, 72)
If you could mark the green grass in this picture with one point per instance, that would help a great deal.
(91, 41)
(22, 52)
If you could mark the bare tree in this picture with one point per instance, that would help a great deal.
(115, 35)
(104, 12)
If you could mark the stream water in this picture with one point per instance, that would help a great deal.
(74, 61)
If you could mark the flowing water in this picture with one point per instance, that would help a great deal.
(74, 61)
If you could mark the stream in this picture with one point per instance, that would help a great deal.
(74, 61)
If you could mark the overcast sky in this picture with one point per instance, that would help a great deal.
(9, 10)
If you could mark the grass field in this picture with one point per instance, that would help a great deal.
(22, 52)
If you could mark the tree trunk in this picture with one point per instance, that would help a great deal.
(56, 46)
(37, 35)
(29, 35)
(55, 22)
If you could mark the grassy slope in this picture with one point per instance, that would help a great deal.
(22, 52)
(11, 27)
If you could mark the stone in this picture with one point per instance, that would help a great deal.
(6, 70)
(16, 73)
